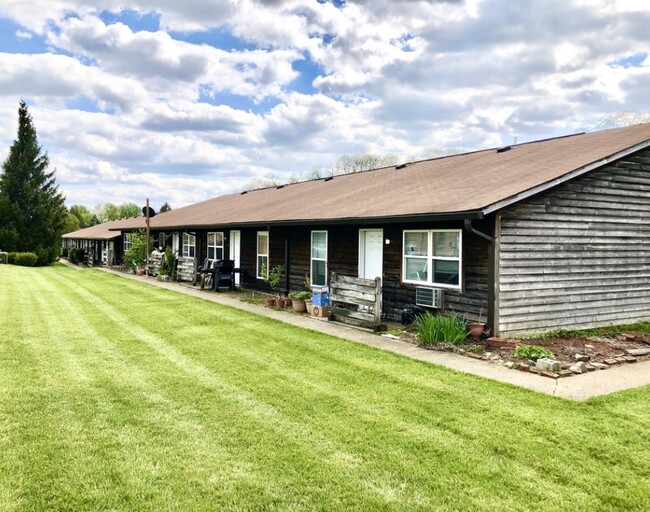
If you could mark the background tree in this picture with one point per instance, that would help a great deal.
(348, 164)
(127, 210)
(83, 214)
(71, 223)
(165, 207)
(32, 210)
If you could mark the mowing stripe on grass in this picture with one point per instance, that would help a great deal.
(116, 395)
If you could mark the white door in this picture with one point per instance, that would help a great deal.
(371, 253)
(235, 251)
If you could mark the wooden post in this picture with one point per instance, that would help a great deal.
(377, 303)
(148, 235)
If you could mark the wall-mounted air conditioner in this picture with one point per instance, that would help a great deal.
(428, 297)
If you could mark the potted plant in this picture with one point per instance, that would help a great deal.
(476, 329)
(298, 301)
(273, 277)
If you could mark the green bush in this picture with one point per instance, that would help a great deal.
(11, 258)
(300, 295)
(434, 329)
(25, 259)
(533, 352)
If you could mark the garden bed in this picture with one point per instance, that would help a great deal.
(598, 352)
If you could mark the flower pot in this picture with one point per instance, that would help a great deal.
(287, 302)
(281, 302)
(309, 305)
(476, 330)
(270, 303)
(298, 305)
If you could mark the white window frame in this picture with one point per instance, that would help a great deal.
(215, 247)
(127, 241)
(262, 259)
(312, 258)
(429, 258)
(189, 245)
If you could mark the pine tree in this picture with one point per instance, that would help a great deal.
(32, 210)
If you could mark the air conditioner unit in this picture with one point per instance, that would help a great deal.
(428, 297)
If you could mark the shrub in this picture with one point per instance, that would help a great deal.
(11, 258)
(434, 329)
(25, 259)
(300, 295)
(533, 352)
(78, 256)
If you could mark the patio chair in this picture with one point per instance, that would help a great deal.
(224, 270)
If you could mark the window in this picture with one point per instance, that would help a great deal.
(161, 241)
(433, 257)
(215, 246)
(189, 245)
(262, 253)
(319, 258)
(127, 241)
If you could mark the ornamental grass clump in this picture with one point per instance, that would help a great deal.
(435, 329)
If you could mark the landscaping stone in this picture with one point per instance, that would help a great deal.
(600, 366)
(579, 367)
(474, 356)
(581, 357)
(509, 364)
(523, 367)
(638, 351)
(533, 369)
(621, 359)
(591, 367)
(630, 359)
(548, 365)
(500, 343)
(551, 375)
(565, 373)
(611, 361)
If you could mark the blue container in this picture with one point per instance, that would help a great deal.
(320, 297)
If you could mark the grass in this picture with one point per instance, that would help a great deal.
(115, 395)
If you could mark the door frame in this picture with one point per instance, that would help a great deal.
(362, 251)
(235, 255)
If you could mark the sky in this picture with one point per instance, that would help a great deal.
(180, 101)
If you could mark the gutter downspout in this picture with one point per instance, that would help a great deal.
(491, 274)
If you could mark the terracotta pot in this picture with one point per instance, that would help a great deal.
(476, 330)
(270, 303)
(281, 302)
(299, 305)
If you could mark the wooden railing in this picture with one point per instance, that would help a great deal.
(356, 301)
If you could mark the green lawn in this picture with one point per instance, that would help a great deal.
(115, 395)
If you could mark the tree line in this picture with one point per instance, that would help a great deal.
(33, 215)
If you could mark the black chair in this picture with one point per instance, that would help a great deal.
(224, 270)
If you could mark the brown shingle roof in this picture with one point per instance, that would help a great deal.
(470, 184)
(102, 231)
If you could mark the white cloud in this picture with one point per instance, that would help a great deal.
(182, 120)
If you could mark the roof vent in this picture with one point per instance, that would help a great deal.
(329, 178)
(400, 166)
(504, 149)
(279, 187)
(244, 192)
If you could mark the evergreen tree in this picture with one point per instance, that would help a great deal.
(32, 210)
(165, 207)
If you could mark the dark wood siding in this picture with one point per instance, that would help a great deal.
(578, 256)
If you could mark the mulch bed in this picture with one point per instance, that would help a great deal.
(597, 352)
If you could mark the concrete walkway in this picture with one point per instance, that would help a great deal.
(578, 387)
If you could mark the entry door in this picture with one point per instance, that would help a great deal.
(371, 251)
(235, 251)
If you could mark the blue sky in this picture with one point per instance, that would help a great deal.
(181, 101)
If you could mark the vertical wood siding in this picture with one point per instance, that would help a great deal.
(578, 256)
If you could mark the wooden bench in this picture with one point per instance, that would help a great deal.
(356, 301)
